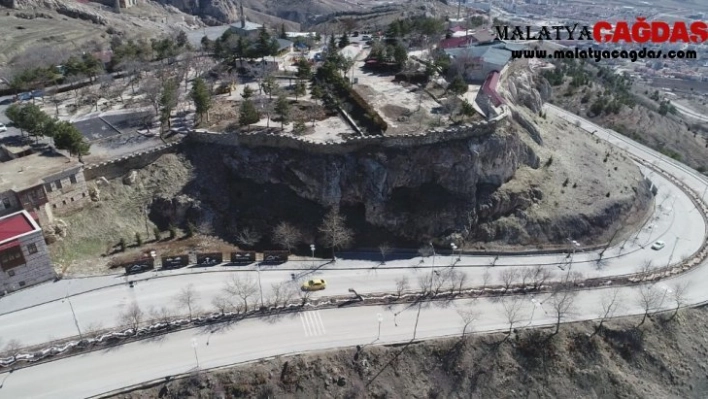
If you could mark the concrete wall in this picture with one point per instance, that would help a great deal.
(37, 269)
(118, 167)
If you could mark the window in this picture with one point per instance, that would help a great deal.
(6, 203)
(72, 179)
(32, 249)
(48, 187)
(58, 183)
(11, 273)
(22, 283)
(11, 257)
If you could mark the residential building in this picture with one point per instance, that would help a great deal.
(479, 61)
(243, 27)
(24, 258)
(42, 183)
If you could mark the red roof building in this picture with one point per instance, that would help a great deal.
(490, 89)
(15, 225)
(24, 257)
(456, 42)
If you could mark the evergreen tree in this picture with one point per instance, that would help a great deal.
(67, 137)
(247, 93)
(248, 114)
(299, 89)
(343, 40)
(201, 97)
(283, 34)
(282, 109)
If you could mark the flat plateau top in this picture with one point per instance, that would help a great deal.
(25, 172)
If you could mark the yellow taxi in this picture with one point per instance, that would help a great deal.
(314, 285)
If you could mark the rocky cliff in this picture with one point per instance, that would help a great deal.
(423, 192)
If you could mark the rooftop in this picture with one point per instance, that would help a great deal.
(29, 171)
(15, 225)
(108, 125)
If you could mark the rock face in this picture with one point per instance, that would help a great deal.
(166, 210)
(423, 192)
(212, 11)
(526, 89)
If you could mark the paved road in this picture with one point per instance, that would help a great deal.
(99, 372)
(101, 307)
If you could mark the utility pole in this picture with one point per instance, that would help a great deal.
(672, 252)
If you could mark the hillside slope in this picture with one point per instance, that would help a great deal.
(660, 359)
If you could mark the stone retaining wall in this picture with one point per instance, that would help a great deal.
(120, 166)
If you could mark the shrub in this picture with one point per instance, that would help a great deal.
(565, 183)
(121, 244)
(550, 161)
(138, 239)
(173, 232)
(191, 229)
(607, 195)
(156, 232)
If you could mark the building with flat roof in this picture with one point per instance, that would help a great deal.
(41, 183)
(24, 258)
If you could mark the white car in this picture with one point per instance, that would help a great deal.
(3, 128)
(658, 245)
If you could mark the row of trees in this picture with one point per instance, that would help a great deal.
(31, 119)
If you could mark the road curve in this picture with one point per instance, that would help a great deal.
(102, 371)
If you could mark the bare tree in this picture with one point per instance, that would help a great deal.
(334, 231)
(486, 277)
(287, 235)
(384, 249)
(562, 302)
(152, 89)
(75, 84)
(55, 98)
(609, 306)
(459, 280)
(132, 317)
(242, 288)
(93, 329)
(469, 315)
(511, 307)
(538, 275)
(649, 299)
(509, 277)
(678, 294)
(163, 314)
(304, 296)
(222, 303)
(11, 348)
(402, 285)
(281, 294)
(248, 237)
(645, 270)
(188, 298)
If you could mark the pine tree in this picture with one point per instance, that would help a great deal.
(248, 114)
(282, 109)
(201, 97)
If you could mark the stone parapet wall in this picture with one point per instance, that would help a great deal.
(120, 166)
(259, 139)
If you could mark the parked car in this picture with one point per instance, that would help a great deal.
(3, 128)
(135, 269)
(366, 38)
(314, 285)
(658, 245)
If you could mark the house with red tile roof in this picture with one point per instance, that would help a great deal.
(24, 257)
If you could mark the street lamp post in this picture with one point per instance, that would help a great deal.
(575, 245)
(260, 286)
(379, 317)
(432, 270)
(196, 357)
(672, 252)
(454, 247)
(312, 249)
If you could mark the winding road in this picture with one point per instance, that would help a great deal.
(62, 309)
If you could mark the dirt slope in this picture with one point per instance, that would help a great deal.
(661, 359)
